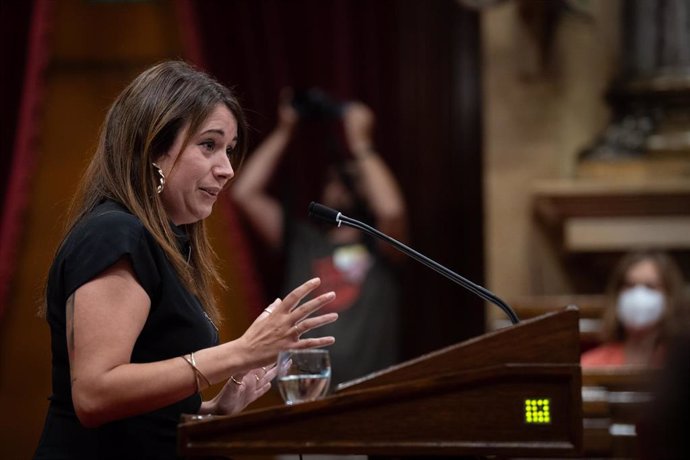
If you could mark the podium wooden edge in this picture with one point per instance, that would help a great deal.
(568, 312)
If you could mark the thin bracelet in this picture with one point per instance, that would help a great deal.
(196, 376)
(197, 373)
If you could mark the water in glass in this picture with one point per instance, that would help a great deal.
(303, 375)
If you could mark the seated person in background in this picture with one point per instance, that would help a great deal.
(645, 308)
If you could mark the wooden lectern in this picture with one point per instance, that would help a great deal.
(511, 392)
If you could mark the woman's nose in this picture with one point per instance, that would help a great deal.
(224, 169)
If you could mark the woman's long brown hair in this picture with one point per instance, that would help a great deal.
(140, 126)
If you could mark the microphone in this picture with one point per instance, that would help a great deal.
(319, 211)
(324, 213)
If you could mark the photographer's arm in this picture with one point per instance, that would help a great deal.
(378, 185)
(249, 190)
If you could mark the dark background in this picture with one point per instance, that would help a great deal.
(417, 65)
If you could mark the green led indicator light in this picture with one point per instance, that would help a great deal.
(538, 411)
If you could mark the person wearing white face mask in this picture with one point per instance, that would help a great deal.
(647, 306)
(640, 307)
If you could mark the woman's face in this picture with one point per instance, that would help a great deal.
(643, 273)
(195, 176)
(641, 302)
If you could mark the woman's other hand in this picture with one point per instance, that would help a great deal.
(240, 391)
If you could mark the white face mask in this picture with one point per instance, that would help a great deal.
(640, 307)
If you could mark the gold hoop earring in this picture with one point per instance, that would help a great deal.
(161, 178)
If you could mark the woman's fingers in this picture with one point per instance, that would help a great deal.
(313, 323)
(271, 373)
(317, 342)
(299, 293)
(268, 376)
(269, 310)
(291, 301)
(263, 390)
(262, 383)
(259, 377)
(307, 308)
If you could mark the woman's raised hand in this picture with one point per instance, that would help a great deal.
(281, 325)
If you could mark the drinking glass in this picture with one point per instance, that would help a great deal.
(303, 375)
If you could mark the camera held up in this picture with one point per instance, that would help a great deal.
(316, 104)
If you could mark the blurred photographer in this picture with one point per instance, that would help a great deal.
(353, 265)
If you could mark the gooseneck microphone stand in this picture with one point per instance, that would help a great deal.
(332, 216)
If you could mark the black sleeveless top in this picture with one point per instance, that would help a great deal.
(176, 325)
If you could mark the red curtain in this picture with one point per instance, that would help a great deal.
(15, 19)
(24, 29)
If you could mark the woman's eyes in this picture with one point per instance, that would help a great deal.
(208, 145)
(652, 286)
